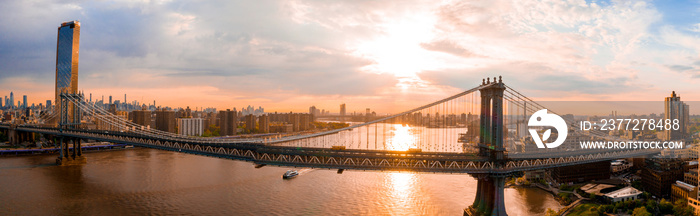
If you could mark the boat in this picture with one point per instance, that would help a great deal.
(290, 174)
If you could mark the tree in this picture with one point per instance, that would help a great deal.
(665, 207)
(681, 208)
(206, 133)
(551, 212)
(641, 211)
(214, 130)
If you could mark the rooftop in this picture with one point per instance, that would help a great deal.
(595, 188)
(685, 186)
(624, 192)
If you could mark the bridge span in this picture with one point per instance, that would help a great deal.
(473, 132)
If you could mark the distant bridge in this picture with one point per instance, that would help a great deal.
(470, 132)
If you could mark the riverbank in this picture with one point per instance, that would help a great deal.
(10, 152)
(560, 196)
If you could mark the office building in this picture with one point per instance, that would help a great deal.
(659, 174)
(691, 177)
(190, 126)
(24, 101)
(342, 110)
(48, 104)
(12, 100)
(681, 190)
(67, 47)
(674, 109)
(581, 173)
(624, 194)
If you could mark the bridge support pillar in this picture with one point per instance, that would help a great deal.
(68, 155)
(489, 198)
(489, 193)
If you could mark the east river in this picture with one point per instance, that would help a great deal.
(155, 182)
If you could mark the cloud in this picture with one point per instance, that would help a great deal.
(360, 52)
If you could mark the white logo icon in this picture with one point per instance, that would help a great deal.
(542, 118)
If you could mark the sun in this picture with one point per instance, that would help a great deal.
(397, 50)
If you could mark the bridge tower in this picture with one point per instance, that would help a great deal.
(70, 119)
(489, 195)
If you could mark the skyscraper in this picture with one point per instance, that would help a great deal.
(674, 108)
(342, 110)
(12, 100)
(110, 99)
(67, 46)
(24, 101)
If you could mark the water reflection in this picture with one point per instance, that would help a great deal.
(147, 181)
(401, 138)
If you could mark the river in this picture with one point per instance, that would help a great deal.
(156, 182)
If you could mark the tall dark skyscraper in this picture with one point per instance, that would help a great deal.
(12, 100)
(67, 47)
(24, 101)
(110, 99)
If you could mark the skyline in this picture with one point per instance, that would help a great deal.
(287, 56)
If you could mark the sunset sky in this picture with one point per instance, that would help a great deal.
(385, 55)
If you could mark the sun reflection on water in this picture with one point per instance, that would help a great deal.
(401, 139)
(402, 189)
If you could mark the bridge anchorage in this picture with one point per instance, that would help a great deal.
(70, 119)
(489, 198)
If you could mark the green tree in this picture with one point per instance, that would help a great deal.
(681, 208)
(641, 211)
(206, 133)
(214, 130)
(551, 212)
(665, 207)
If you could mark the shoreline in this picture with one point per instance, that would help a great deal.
(45, 151)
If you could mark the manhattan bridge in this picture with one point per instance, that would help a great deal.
(480, 132)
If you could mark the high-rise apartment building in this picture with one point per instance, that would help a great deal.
(141, 117)
(67, 47)
(165, 120)
(250, 123)
(190, 126)
(674, 109)
(228, 122)
(264, 124)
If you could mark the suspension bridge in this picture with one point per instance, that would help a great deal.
(477, 132)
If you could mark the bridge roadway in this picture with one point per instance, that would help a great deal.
(261, 153)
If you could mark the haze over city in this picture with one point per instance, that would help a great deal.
(289, 55)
